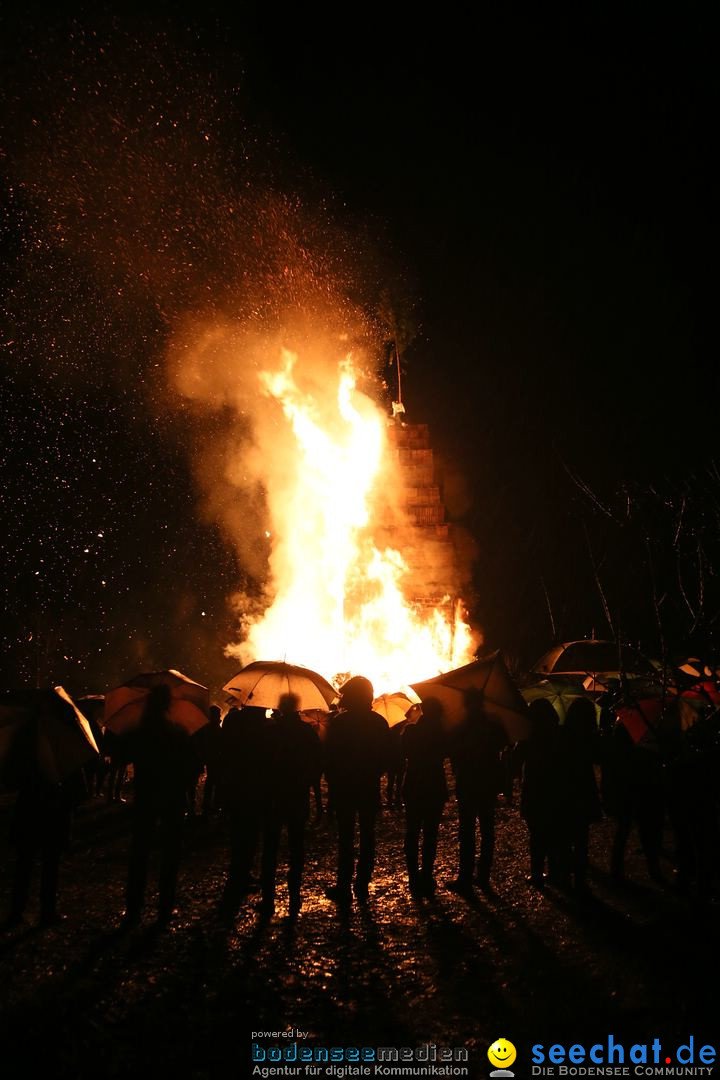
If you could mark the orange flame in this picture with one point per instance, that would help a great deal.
(339, 605)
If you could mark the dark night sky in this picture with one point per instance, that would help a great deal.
(544, 187)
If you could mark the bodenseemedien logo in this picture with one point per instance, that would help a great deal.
(502, 1054)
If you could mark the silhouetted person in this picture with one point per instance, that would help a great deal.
(243, 784)
(396, 766)
(632, 791)
(96, 769)
(540, 803)
(116, 767)
(207, 743)
(475, 749)
(40, 824)
(508, 773)
(318, 720)
(425, 794)
(693, 765)
(192, 786)
(164, 762)
(291, 749)
(356, 755)
(580, 798)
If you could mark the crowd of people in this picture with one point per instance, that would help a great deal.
(260, 770)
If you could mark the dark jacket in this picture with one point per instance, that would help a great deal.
(242, 775)
(291, 753)
(357, 751)
(540, 793)
(424, 749)
(581, 799)
(475, 748)
(164, 765)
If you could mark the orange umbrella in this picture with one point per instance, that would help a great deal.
(396, 708)
(189, 701)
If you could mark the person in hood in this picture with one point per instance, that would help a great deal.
(357, 751)
(292, 752)
(164, 764)
(425, 794)
(475, 750)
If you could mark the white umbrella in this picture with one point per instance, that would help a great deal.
(263, 683)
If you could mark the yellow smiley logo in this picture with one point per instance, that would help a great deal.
(502, 1053)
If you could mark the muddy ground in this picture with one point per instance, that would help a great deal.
(637, 962)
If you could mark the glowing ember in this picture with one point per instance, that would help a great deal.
(339, 605)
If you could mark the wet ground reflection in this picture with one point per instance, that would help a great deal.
(396, 971)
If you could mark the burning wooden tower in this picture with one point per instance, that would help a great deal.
(413, 519)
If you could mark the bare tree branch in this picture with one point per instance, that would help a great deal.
(606, 609)
(549, 607)
(589, 493)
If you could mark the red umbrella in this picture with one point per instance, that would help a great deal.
(640, 718)
(695, 702)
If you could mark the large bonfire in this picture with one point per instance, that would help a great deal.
(340, 601)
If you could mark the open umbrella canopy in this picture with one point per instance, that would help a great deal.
(640, 718)
(396, 708)
(264, 682)
(91, 706)
(702, 699)
(592, 657)
(59, 736)
(560, 695)
(705, 693)
(189, 701)
(502, 699)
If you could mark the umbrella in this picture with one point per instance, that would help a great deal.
(560, 695)
(264, 682)
(693, 666)
(189, 701)
(502, 699)
(92, 706)
(591, 657)
(706, 693)
(639, 719)
(396, 708)
(62, 738)
(701, 699)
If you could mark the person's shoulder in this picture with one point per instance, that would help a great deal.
(336, 726)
